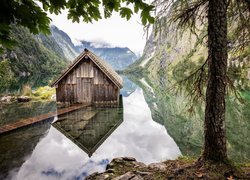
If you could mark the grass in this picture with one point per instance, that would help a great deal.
(43, 93)
(26, 90)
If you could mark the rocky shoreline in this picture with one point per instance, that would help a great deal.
(10, 99)
(125, 168)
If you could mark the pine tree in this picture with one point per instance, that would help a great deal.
(215, 15)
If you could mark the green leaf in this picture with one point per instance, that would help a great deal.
(136, 8)
(30, 15)
(126, 12)
(151, 20)
(146, 16)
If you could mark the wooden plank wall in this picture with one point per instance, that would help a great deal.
(86, 83)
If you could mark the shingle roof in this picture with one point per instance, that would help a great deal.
(106, 68)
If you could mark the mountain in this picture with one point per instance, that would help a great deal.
(118, 57)
(37, 59)
(33, 58)
(169, 54)
(153, 72)
(169, 58)
(59, 42)
(164, 50)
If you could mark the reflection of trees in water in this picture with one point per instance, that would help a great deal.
(18, 145)
(12, 112)
(32, 81)
(186, 128)
(241, 83)
(237, 122)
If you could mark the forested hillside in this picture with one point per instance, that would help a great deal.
(59, 42)
(30, 58)
(173, 55)
(168, 72)
(37, 59)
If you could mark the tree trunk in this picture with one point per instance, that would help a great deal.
(215, 140)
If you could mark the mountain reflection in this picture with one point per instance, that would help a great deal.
(57, 156)
(152, 126)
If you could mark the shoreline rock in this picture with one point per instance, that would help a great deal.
(7, 99)
(136, 170)
(23, 99)
(127, 168)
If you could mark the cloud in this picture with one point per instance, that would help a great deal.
(76, 42)
(100, 43)
(96, 43)
(116, 31)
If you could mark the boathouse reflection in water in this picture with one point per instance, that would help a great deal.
(89, 127)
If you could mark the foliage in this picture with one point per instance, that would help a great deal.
(26, 13)
(44, 93)
(213, 17)
(29, 14)
(193, 15)
(26, 90)
(31, 62)
(183, 15)
(6, 75)
(32, 57)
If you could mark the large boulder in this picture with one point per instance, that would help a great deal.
(115, 168)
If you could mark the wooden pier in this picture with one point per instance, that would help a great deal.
(25, 122)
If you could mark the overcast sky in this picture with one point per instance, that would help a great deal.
(115, 31)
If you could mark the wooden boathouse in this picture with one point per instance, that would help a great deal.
(89, 79)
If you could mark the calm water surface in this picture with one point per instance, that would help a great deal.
(53, 155)
(149, 127)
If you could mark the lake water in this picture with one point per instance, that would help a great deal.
(150, 126)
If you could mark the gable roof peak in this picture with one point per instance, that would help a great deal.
(104, 67)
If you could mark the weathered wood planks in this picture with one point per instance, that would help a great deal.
(86, 83)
